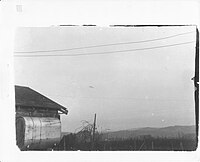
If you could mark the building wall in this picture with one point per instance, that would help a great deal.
(36, 112)
(37, 128)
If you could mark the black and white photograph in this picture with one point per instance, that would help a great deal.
(112, 88)
(99, 80)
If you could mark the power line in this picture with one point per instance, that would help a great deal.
(103, 45)
(109, 52)
(124, 98)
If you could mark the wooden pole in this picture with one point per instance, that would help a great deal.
(93, 135)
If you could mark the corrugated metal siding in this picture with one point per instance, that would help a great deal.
(40, 132)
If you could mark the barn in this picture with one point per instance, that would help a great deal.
(38, 125)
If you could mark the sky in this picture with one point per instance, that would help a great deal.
(126, 89)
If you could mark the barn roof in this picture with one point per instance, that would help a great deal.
(25, 96)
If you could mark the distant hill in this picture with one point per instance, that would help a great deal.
(169, 132)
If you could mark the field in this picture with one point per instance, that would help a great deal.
(143, 143)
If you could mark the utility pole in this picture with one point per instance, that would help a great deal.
(93, 134)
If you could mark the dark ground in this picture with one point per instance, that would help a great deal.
(143, 143)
